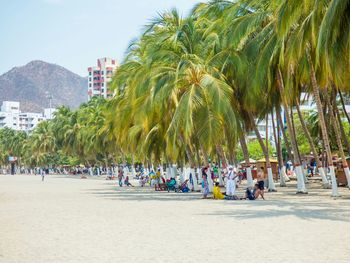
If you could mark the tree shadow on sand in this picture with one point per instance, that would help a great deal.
(307, 207)
(142, 194)
(303, 209)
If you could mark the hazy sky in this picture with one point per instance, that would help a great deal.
(74, 33)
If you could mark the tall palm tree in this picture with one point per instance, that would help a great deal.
(298, 21)
(313, 148)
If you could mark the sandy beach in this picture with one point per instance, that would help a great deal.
(92, 220)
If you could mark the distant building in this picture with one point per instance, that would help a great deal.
(12, 117)
(9, 115)
(49, 113)
(29, 120)
(100, 76)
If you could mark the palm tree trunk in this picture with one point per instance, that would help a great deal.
(187, 151)
(221, 154)
(271, 184)
(133, 173)
(267, 131)
(293, 130)
(296, 141)
(285, 138)
(337, 114)
(342, 130)
(205, 155)
(279, 152)
(312, 146)
(343, 105)
(199, 163)
(338, 138)
(246, 158)
(322, 123)
(300, 177)
(222, 157)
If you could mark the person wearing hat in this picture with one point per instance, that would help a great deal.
(231, 181)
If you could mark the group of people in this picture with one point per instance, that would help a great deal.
(123, 178)
(232, 179)
(209, 175)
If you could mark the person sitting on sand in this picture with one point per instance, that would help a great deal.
(217, 193)
(183, 187)
(126, 181)
(254, 194)
(171, 183)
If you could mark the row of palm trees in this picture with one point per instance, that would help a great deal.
(71, 138)
(195, 86)
(191, 88)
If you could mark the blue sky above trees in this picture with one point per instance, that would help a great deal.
(74, 33)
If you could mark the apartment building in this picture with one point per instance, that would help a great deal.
(100, 76)
(12, 117)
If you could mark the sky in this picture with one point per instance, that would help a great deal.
(74, 33)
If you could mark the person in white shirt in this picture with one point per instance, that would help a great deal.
(231, 181)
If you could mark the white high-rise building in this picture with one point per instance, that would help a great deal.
(49, 113)
(9, 115)
(12, 117)
(100, 76)
(29, 120)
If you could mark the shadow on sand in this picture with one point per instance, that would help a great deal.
(303, 206)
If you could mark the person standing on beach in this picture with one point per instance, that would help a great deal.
(120, 177)
(205, 184)
(42, 173)
(231, 182)
(261, 180)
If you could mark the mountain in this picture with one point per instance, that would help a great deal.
(31, 84)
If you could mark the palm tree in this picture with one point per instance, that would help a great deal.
(312, 146)
(332, 49)
(297, 21)
(336, 129)
(41, 144)
(182, 94)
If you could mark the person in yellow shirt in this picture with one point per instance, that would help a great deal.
(217, 193)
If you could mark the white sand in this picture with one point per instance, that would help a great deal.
(75, 220)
